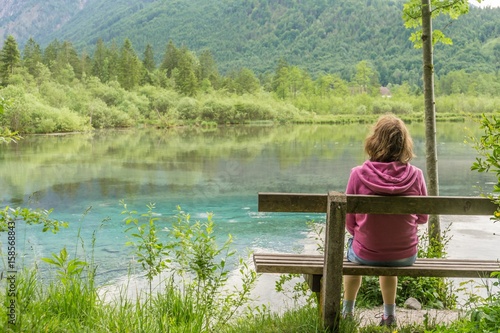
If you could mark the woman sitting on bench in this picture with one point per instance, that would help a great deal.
(377, 239)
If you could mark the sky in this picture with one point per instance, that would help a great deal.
(490, 3)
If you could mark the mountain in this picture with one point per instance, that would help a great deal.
(318, 35)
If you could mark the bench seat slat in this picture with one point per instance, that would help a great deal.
(313, 265)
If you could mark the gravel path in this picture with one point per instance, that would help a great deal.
(405, 316)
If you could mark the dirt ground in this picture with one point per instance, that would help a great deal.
(405, 316)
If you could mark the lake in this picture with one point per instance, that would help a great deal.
(84, 176)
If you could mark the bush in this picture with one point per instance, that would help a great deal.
(54, 94)
(381, 107)
(164, 103)
(218, 111)
(252, 111)
(188, 108)
(111, 93)
(389, 106)
(139, 102)
(285, 113)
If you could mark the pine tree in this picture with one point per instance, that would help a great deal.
(185, 78)
(280, 79)
(32, 56)
(113, 62)
(86, 62)
(130, 67)
(170, 59)
(100, 62)
(149, 59)
(66, 65)
(208, 68)
(69, 56)
(10, 58)
(149, 65)
(50, 54)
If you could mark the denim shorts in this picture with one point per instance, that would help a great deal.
(352, 257)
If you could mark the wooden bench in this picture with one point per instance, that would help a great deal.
(327, 270)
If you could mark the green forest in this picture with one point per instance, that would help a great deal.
(317, 61)
(57, 89)
(320, 36)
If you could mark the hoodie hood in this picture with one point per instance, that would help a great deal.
(391, 178)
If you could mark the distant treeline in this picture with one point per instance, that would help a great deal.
(56, 89)
(320, 36)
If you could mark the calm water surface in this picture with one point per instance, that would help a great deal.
(84, 177)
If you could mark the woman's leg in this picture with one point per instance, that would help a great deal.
(388, 286)
(351, 287)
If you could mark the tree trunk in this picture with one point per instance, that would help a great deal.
(434, 227)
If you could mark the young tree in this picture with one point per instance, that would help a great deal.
(10, 58)
(419, 13)
(366, 78)
(295, 79)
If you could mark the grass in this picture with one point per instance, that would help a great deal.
(195, 297)
(77, 305)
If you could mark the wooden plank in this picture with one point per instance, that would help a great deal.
(292, 202)
(314, 265)
(319, 258)
(420, 205)
(370, 204)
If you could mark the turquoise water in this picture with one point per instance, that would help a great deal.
(83, 177)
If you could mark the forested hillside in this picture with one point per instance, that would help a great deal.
(208, 62)
(321, 36)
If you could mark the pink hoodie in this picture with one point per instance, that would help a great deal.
(381, 237)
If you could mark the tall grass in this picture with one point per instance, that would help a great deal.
(195, 296)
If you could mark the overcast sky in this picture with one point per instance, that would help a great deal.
(490, 3)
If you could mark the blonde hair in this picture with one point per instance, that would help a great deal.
(389, 141)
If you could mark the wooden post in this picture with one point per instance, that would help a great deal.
(331, 292)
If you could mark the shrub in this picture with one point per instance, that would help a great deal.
(381, 107)
(111, 93)
(188, 108)
(218, 111)
(164, 103)
(390, 106)
(252, 111)
(53, 94)
(140, 103)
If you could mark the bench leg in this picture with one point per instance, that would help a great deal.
(334, 260)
